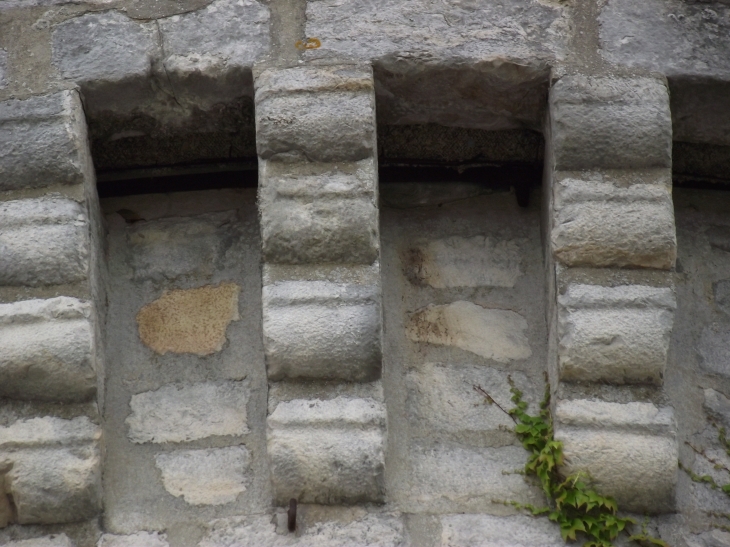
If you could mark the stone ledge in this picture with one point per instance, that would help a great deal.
(610, 122)
(327, 452)
(47, 350)
(618, 335)
(44, 142)
(43, 242)
(629, 451)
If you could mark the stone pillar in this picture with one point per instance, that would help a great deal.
(49, 326)
(316, 139)
(611, 246)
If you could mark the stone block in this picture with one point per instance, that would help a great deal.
(189, 320)
(175, 414)
(104, 47)
(494, 334)
(52, 469)
(383, 530)
(617, 335)
(599, 222)
(316, 113)
(140, 539)
(717, 406)
(223, 35)
(213, 476)
(478, 261)
(3, 68)
(319, 213)
(672, 37)
(492, 531)
(321, 329)
(47, 350)
(43, 242)
(327, 452)
(629, 450)
(44, 142)
(714, 349)
(610, 122)
(56, 540)
(454, 478)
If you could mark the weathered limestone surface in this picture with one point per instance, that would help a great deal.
(51, 469)
(3, 68)
(141, 539)
(319, 329)
(174, 414)
(60, 540)
(213, 476)
(629, 450)
(610, 219)
(491, 333)
(44, 141)
(328, 451)
(43, 242)
(614, 334)
(47, 350)
(490, 531)
(383, 530)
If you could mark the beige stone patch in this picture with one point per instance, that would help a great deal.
(190, 320)
(477, 261)
(491, 333)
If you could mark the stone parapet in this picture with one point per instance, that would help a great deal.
(321, 284)
(611, 242)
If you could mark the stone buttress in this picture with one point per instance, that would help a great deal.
(611, 247)
(316, 141)
(49, 314)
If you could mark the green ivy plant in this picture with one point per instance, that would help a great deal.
(581, 512)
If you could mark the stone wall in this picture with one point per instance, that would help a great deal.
(176, 368)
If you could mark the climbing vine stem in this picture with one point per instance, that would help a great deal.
(579, 510)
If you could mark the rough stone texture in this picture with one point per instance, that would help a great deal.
(43, 242)
(319, 213)
(177, 248)
(717, 406)
(477, 261)
(141, 539)
(105, 46)
(46, 350)
(3, 68)
(614, 334)
(320, 329)
(452, 478)
(491, 531)
(628, 450)
(321, 114)
(54, 469)
(370, 529)
(174, 414)
(44, 141)
(714, 348)
(214, 476)
(600, 221)
(189, 321)
(611, 123)
(492, 333)
(675, 38)
(60, 540)
(327, 451)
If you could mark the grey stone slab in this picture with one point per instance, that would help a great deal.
(492, 531)
(56, 540)
(675, 38)
(714, 348)
(610, 122)
(47, 350)
(3, 68)
(140, 539)
(44, 142)
(717, 406)
(43, 242)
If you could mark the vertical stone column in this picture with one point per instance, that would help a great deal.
(611, 246)
(49, 326)
(316, 139)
